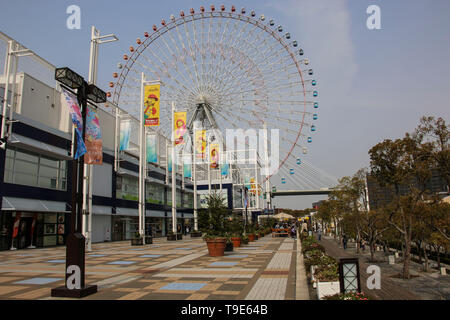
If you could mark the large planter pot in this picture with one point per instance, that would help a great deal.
(216, 247)
(148, 239)
(251, 237)
(179, 236)
(327, 289)
(171, 237)
(196, 234)
(137, 242)
(229, 246)
(236, 241)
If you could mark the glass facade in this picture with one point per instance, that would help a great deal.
(154, 193)
(36, 170)
(127, 188)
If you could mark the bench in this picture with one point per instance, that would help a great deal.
(280, 232)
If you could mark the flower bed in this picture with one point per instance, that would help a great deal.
(348, 296)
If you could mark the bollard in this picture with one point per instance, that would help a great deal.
(443, 271)
(391, 259)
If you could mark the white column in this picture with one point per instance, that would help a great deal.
(141, 148)
(195, 178)
(13, 89)
(266, 160)
(8, 73)
(174, 180)
(256, 180)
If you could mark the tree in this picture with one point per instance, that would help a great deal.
(404, 162)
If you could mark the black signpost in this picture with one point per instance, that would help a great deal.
(75, 286)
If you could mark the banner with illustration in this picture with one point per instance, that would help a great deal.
(200, 144)
(179, 124)
(152, 142)
(70, 100)
(151, 105)
(214, 155)
(125, 130)
(187, 165)
(93, 138)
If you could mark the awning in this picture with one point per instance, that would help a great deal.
(127, 211)
(189, 216)
(102, 210)
(126, 172)
(153, 213)
(38, 146)
(21, 204)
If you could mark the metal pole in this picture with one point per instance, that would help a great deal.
(5, 102)
(144, 172)
(266, 160)
(174, 181)
(13, 90)
(256, 181)
(194, 171)
(141, 147)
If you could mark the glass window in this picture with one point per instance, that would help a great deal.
(26, 156)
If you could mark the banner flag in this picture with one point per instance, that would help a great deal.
(70, 100)
(200, 144)
(187, 166)
(125, 130)
(179, 119)
(169, 157)
(151, 105)
(151, 140)
(16, 224)
(214, 155)
(224, 169)
(94, 144)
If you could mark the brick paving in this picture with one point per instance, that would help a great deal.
(389, 289)
(164, 270)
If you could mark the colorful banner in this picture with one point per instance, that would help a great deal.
(125, 130)
(151, 141)
(151, 105)
(187, 166)
(200, 144)
(252, 186)
(214, 155)
(169, 158)
(93, 138)
(179, 124)
(70, 100)
(16, 224)
(224, 169)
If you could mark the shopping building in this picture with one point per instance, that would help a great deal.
(36, 170)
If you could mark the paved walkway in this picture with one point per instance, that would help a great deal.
(167, 270)
(423, 286)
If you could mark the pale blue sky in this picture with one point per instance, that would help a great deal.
(373, 84)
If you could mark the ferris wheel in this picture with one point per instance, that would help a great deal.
(243, 68)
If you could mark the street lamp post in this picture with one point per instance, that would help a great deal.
(75, 286)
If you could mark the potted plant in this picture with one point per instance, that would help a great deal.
(148, 239)
(214, 226)
(195, 234)
(327, 277)
(244, 240)
(235, 226)
(137, 240)
(229, 243)
(251, 233)
(171, 236)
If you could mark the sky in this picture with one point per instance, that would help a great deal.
(374, 84)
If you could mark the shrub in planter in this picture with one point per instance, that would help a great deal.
(251, 237)
(171, 236)
(229, 246)
(313, 246)
(148, 239)
(195, 234)
(137, 240)
(244, 240)
(348, 296)
(215, 228)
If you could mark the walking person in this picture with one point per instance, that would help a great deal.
(319, 231)
(293, 232)
(344, 241)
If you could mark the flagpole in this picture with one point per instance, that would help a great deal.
(195, 178)
(141, 126)
(174, 181)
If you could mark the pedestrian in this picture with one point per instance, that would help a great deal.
(187, 229)
(363, 244)
(150, 230)
(319, 230)
(293, 232)
(344, 241)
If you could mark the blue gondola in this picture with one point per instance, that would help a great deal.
(313, 128)
(315, 93)
(315, 116)
(291, 171)
(299, 161)
(301, 52)
(295, 43)
(316, 105)
(283, 180)
(314, 82)
(310, 72)
(309, 139)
